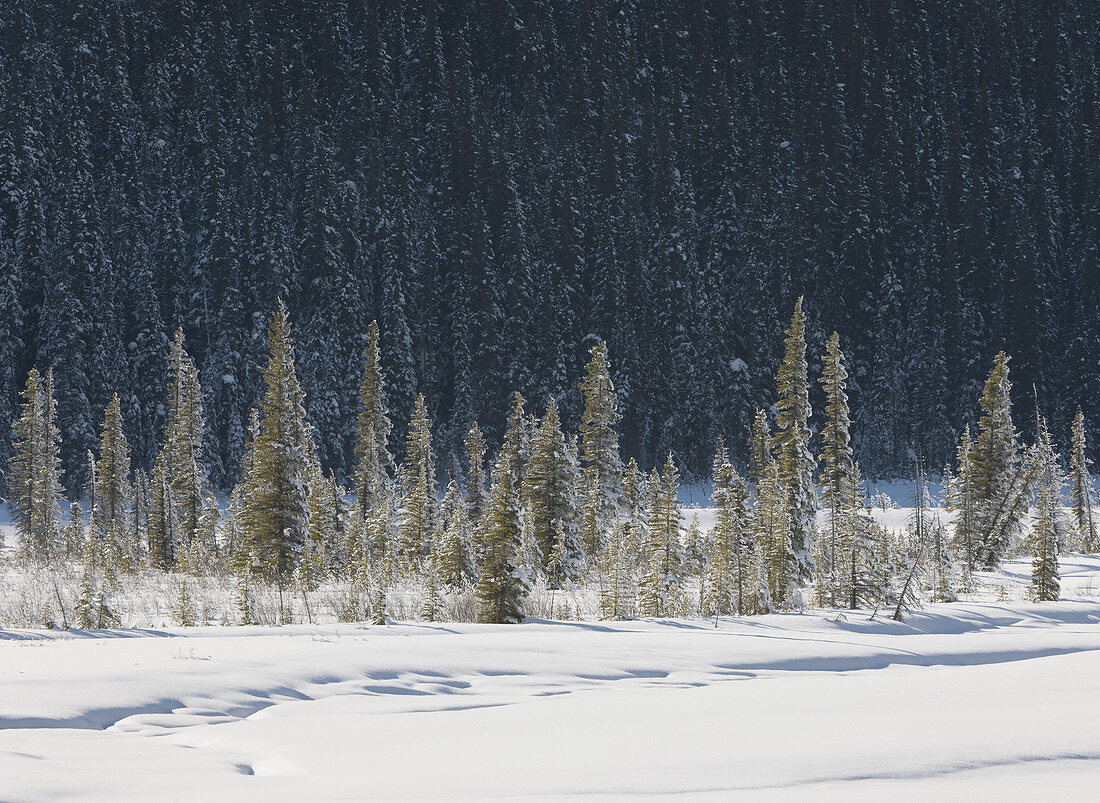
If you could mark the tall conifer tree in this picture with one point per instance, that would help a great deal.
(550, 494)
(662, 583)
(34, 473)
(185, 503)
(274, 511)
(599, 441)
(1082, 495)
(1045, 524)
(112, 499)
(792, 438)
(418, 502)
(771, 526)
(501, 586)
(1000, 475)
(374, 465)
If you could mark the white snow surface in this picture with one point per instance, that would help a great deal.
(980, 700)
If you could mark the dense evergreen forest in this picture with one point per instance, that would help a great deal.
(504, 184)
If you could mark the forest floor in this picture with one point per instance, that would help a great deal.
(980, 699)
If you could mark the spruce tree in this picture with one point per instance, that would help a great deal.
(456, 567)
(417, 507)
(549, 492)
(274, 511)
(476, 493)
(1043, 540)
(618, 589)
(599, 441)
(374, 465)
(517, 441)
(962, 501)
(837, 464)
(771, 527)
(1000, 475)
(431, 608)
(634, 522)
(34, 473)
(727, 583)
(792, 440)
(112, 498)
(1082, 495)
(662, 583)
(501, 585)
(844, 571)
(181, 500)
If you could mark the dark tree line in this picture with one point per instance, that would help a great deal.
(503, 183)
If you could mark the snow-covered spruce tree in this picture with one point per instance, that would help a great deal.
(962, 502)
(183, 611)
(326, 526)
(792, 443)
(771, 528)
(501, 587)
(549, 492)
(274, 511)
(92, 610)
(1082, 495)
(180, 497)
(726, 579)
(760, 447)
(476, 493)
(1000, 475)
(185, 472)
(634, 522)
(599, 441)
(845, 573)
(1043, 539)
(617, 592)
(456, 567)
(417, 506)
(112, 498)
(374, 465)
(34, 473)
(431, 606)
(517, 440)
(1045, 467)
(237, 546)
(837, 467)
(662, 583)
(244, 601)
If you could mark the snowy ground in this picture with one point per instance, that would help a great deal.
(986, 699)
(979, 699)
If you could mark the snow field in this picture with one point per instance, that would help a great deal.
(990, 699)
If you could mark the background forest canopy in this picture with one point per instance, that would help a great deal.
(504, 184)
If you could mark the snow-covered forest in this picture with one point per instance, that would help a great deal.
(792, 638)
(503, 184)
(548, 399)
(551, 517)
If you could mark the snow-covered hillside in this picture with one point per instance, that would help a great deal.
(981, 699)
